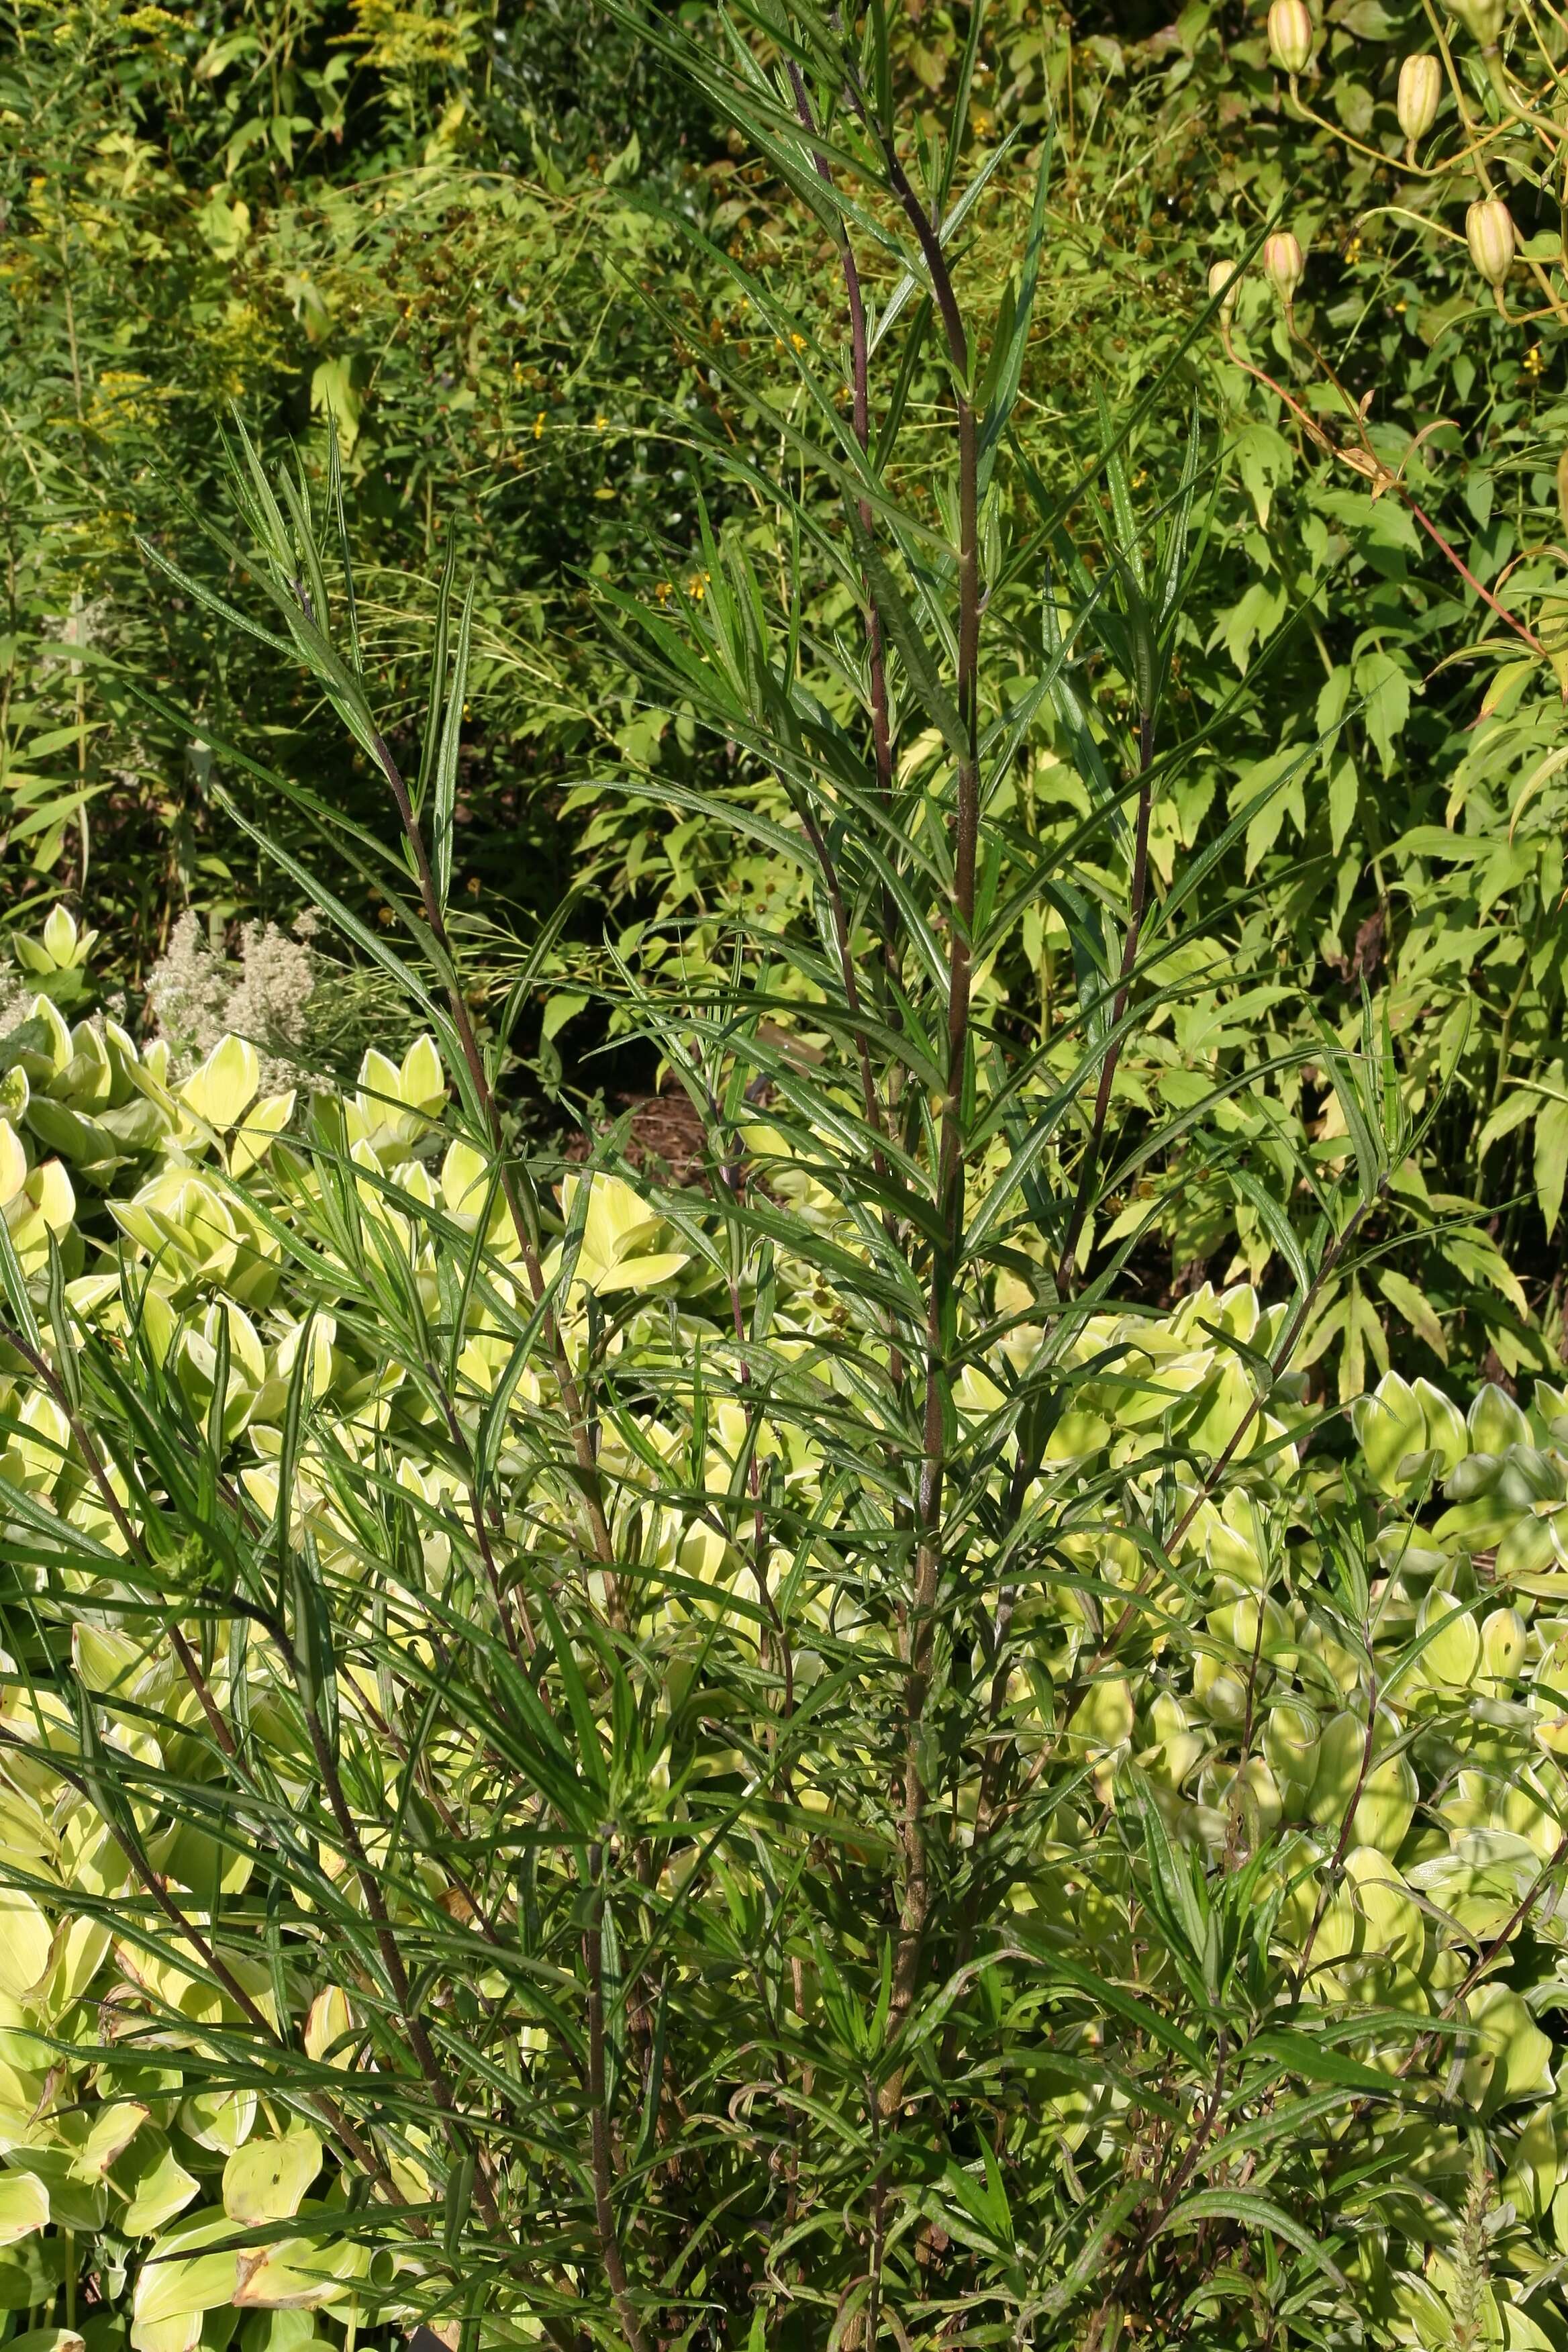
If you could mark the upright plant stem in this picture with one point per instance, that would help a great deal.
(860, 396)
(419, 2042)
(599, 2118)
(524, 1222)
(1129, 964)
(919, 1643)
(882, 736)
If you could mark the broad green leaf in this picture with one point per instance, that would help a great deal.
(266, 2180)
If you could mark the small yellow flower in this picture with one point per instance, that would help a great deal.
(664, 591)
(539, 427)
(600, 422)
(1533, 363)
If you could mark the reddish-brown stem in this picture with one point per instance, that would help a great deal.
(881, 735)
(860, 396)
(419, 2040)
(830, 882)
(599, 2121)
(1382, 481)
(1510, 619)
(919, 1639)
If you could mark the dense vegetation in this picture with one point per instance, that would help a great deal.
(917, 1692)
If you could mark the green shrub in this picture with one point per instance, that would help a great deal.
(1331, 649)
(763, 1761)
(410, 226)
(1258, 1878)
(293, 177)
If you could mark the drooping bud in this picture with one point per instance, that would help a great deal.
(1482, 19)
(1490, 233)
(1222, 290)
(1290, 35)
(1420, 93)
(1283, 265)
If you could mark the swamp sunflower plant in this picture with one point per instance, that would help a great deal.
(759, 1761)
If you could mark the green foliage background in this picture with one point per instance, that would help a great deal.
(412, 222)
(437, 227)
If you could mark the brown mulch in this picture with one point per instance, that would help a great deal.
(666, 1137)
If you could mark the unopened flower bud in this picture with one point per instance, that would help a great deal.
(1283, 265)
(1222, 290)
(1490, 232)
(1482, 19)
(1290, 32)
(1420, 89)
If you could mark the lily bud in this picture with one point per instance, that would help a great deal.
(1222, 290)
(1420, 91)
(1291, 35)
(1284, 265)
(1490, 232)
(1482, 19)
